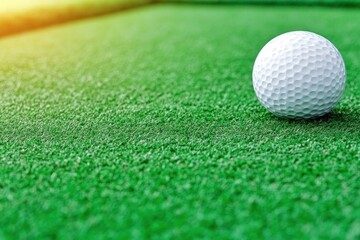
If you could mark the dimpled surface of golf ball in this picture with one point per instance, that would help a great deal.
(299, 75)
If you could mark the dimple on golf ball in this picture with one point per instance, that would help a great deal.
(299, 75)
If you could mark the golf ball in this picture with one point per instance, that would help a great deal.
(299, 75)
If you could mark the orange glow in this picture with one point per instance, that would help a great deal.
(9, 6)
(22, 15)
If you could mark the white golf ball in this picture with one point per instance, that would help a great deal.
(299, 75)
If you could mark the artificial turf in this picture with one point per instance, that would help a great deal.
(144, 125)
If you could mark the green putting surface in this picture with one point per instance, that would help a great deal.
(144, 125)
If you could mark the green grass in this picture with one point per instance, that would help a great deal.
(23, 15)
(277, 2)
(144, 125)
